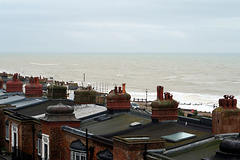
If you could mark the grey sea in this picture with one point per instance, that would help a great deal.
(197, 81)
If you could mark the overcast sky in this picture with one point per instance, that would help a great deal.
(180, 26)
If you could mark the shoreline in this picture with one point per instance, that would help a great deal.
(186, 111)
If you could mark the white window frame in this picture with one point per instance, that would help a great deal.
(14, 129)
(45, 140)
(7, 131)
(39, 146)
(82, 155)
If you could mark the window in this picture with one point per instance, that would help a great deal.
(39, 143)
(83, 156)
(14, 136)
(78, 150)
(45, 147)
(76, 155)
(7, 130)
(39, 146)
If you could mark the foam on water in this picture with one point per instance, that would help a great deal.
(194, 78)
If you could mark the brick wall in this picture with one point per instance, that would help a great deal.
(98, 146)
(226, 118)
(133, 149)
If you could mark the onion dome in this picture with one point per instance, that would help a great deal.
(59, 112)
(60, 109)
(230, 145)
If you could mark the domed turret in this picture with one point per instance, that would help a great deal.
(164, 108)
(60, 109)
(118, 100)
(230, 145)
(59, 112)
(15, 85)
(33, 88)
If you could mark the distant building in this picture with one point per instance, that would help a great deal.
(61, 129)
(14, 85)
(226, 118)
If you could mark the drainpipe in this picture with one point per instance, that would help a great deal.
(33, 133)
(145, 152)
(87, 142)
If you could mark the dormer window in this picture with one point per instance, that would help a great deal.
(78, 150)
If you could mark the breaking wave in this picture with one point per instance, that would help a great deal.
(41, 64)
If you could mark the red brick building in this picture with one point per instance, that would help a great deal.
(226, 118)
(57, 134)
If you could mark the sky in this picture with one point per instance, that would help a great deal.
(135, 26)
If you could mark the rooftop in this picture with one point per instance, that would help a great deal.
(157, 130)
(40, 108)
(109, 124)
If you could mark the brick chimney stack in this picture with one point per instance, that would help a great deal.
(118, 100)
(228, 102)
(226, 117)
(164, 109)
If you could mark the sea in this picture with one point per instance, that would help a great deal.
(197, 81)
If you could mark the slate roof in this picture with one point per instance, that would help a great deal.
(78, 145)
(40, 108)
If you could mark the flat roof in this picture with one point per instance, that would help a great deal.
(203, 151)
(112, 123)
(11, 99)
(157, 130)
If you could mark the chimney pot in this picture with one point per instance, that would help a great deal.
(160, 92)
(123, 88)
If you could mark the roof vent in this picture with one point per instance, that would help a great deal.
(134, 124)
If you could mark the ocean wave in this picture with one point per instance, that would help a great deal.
(119, 75)
(200, 102)
(42, 64)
